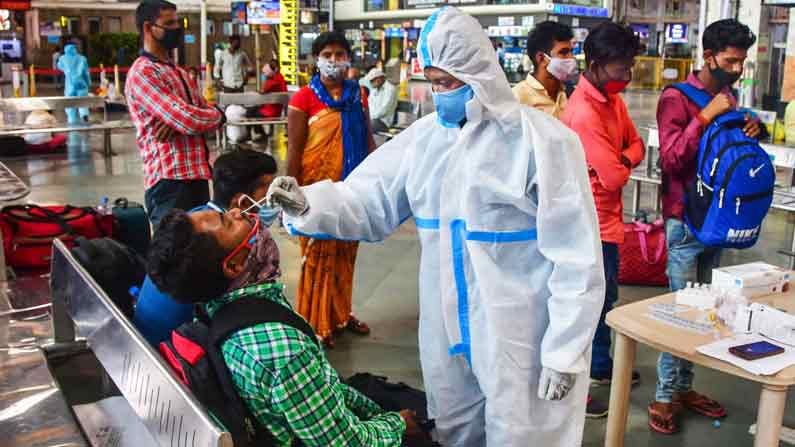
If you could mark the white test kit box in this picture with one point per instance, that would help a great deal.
(751, 280)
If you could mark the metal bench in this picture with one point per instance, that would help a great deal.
(403, 107)
(53, 103)
(166, 408)
(253, 100)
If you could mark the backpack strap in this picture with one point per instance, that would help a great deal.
(232, 317)
(696, 95)
(247, 312)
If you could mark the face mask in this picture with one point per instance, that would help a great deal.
(266, 214)
(247, 243)
(562, 69)
(614, 87)
(262, 263)
(451, 107)
(332, 70)
(171, 37)
(724, 78)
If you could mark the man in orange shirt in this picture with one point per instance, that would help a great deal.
(597, 113)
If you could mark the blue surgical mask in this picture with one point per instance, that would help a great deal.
(451, 107)
(268, 215)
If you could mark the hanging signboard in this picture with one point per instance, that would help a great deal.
(574, 10)
(264, 13)
(15, 5)
(50, 29)
(676, 33)
(239, 12)
(423, 4)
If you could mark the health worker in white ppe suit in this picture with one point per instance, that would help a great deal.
(511, 282)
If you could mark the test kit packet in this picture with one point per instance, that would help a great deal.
(751, 280)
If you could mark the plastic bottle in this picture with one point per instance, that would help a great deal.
(103, 208)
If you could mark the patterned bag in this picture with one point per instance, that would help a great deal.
(643, 256)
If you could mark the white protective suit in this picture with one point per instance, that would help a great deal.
(511, 275)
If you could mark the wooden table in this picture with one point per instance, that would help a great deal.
(632, 325)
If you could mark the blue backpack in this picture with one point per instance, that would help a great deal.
(733, 189)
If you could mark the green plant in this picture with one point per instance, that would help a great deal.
(112, 48)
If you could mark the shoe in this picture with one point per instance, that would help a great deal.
(595, 409)
(607, 381)
(358, 327)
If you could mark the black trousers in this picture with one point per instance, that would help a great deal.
(168, 194)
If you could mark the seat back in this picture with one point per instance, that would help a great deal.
(82, 309)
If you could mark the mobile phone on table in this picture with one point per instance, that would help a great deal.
(756, 351)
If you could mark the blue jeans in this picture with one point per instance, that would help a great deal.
(688, 260)
(601, 362)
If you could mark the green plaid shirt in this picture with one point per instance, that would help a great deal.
(290, 387)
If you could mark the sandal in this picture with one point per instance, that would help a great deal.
(358, 327)
(701, 404)
(662, 417)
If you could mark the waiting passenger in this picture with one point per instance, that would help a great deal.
(383, 100)
(328, 136)
(281, 374)
(598, 114)
(235, 175)
(681, 124)
(549, 47)
(170, 117)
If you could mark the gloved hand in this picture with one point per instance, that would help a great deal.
(554, 385)
(285, 192)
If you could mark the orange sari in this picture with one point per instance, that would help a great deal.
(326, 285)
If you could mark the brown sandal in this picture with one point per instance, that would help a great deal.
(701, 404)
(358, 327)
(662, 417)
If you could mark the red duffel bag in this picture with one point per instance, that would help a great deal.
(28, 231)
(643, 255)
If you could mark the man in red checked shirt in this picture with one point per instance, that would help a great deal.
(170, 116)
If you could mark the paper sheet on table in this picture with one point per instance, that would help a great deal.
(111, 422)
(764, 367)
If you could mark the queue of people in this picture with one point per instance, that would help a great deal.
(516, 195)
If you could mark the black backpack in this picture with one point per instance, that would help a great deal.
(194, 354)
(133, 224)
(114, 266)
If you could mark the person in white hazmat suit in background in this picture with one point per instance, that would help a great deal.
(511, 281)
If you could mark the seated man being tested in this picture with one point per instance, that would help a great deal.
(238, 178)
(280, 372)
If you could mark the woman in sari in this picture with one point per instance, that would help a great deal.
(328, 136)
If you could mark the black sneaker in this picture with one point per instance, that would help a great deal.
(595, 409)
(606, 381)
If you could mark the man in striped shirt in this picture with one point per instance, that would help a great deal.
(170, 116)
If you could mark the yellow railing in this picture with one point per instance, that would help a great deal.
(657, 73)
(288, 41)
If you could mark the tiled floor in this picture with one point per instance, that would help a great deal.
(385, 292)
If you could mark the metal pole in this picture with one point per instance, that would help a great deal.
(257, 57)
(726, 9)
(702, 24)
(331, 15)
(204, 33)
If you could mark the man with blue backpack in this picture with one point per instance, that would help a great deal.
(717, 187)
